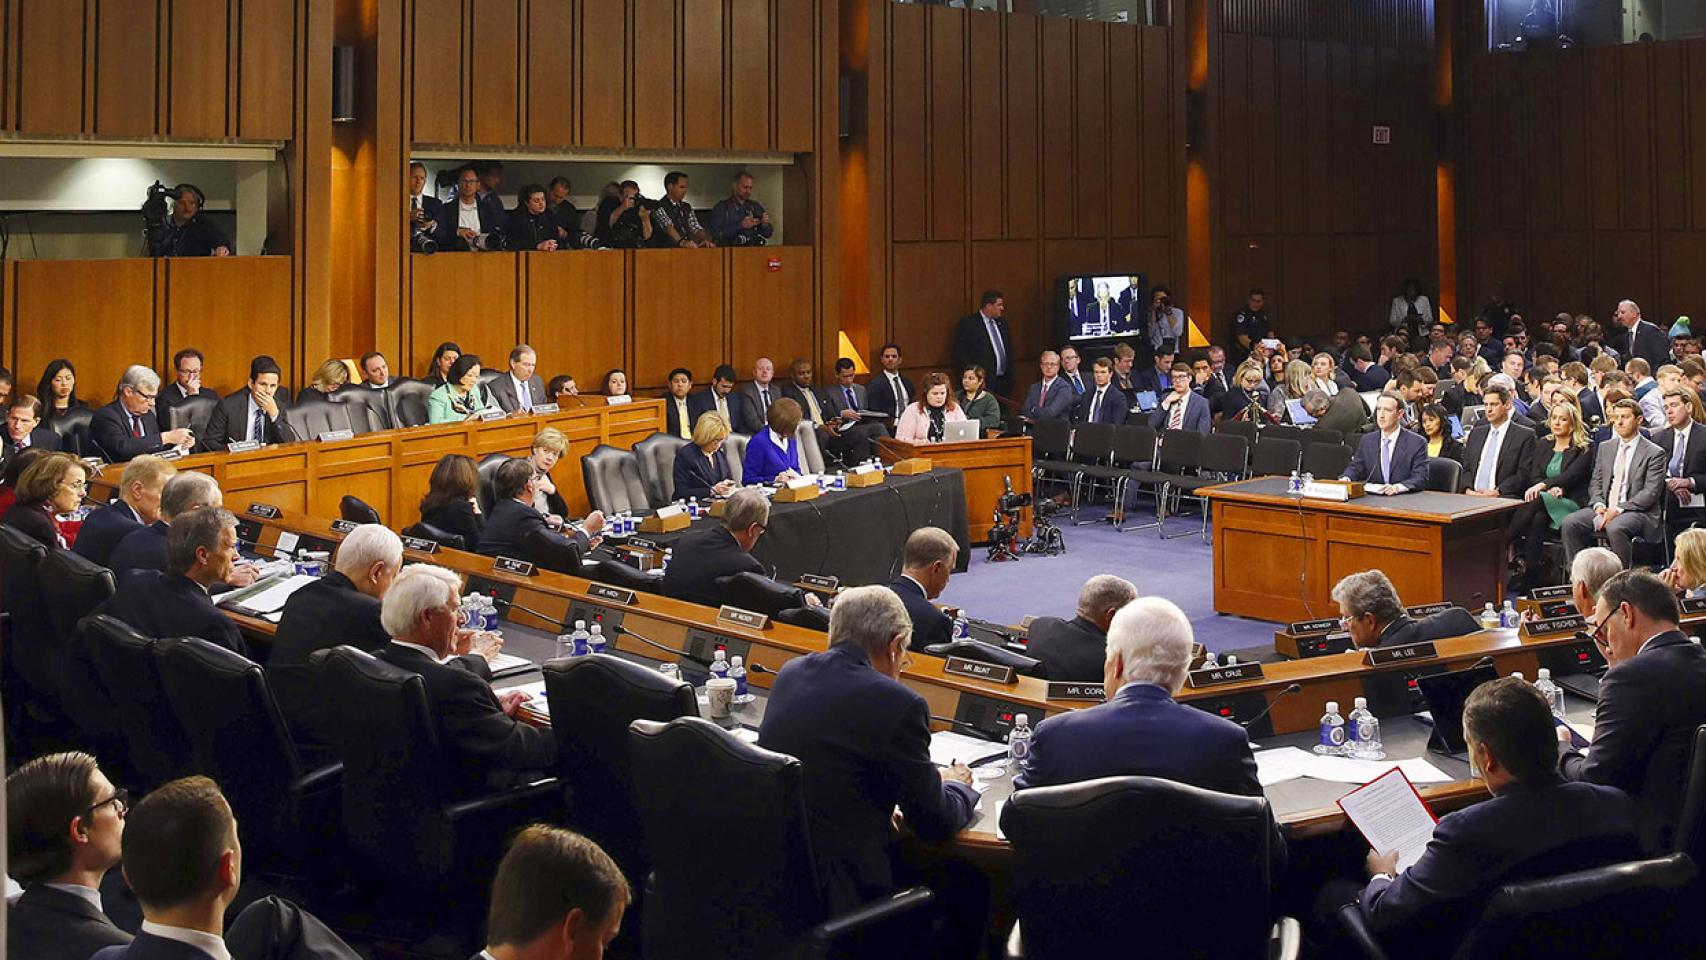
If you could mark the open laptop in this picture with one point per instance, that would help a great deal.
(956, 431)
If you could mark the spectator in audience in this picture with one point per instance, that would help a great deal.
(341, 607)
(1411, 312)
(1370, 610)
(1389, 460)
(570, 233)
(754, 398)
(1439, 358)
(187, 233)
(1646, 391)
(423, 206)
(1684, 444)
(674, 224)
(616, 383)
(1534, 817)
(49, 488)
(549, 446)
(516, 529)
(1649, 703)
(1103, 402)
(981, 405)
(889, 391)
(832, 413)
(678, 416)
(703, 556)
(925, 565)
(1343, 412)
(773, 455)
(1326, 376)
(531, 225)
(623, 221)
(145, 549)
(1166, 322)
(1124, 358)
(1294, 384)
(925, 420)
(491, 173)
(555, 895)
(738, 220)
(985, 340)
(718, 398)
(329, 378)
(1639, 337)
(58, 391)
(375, 371)
(6, 384)
(1555, 484)
(1365, 373)
(562, 389)
(850, 437)
(451, 503)
(443, 358)
(64, 830)
(1158, 378)
(1182, 408)
(127, 427)
(186, 383)
(1070, 360)
(1687, 573)
(200, 548)
(469, 222)
(24, 429)
(1626, 492)
(1247, 400)
(701, 468)
(138, 506)
(1050, 398)
(464, 397)
(1496, 456)
(521, 389)
(251, 415)
(12, 471)
(874, 759)
(1250, 326)
(1077, 649)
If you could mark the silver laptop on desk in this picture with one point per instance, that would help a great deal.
(955, 431)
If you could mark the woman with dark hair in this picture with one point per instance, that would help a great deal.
(926, 419)
(15, 467)
(1436, 430)
(464, 397)
(773, 455)
(1411, 312)
(979, 403)
(51, 486)
(58, 391)
(438, 371)
(616, 383)
(451, 503)
(531, 224)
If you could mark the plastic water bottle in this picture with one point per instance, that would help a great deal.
(1489, 617)
(1231, 660)
(580, 638)
(737, 673)
(1517, 674)
(719, 665)
(565, 645)
(670, 670)
(1209, 661)
(1332, 743)
(1553, 693)
(595, 642)
(668, 552)
(1019, 739)
(962, 628)
(1308, 478)
(1295, 484)
(488, 614)
(1365, 732)
(1508, 617)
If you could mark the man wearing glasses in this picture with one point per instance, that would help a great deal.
(703, 556)
(64, 831)
(127, 427)
(1650, 702)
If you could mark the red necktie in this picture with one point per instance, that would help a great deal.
(135, 425)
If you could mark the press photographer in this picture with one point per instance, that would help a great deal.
(186, 233)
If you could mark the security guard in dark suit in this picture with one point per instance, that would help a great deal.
(1076, 649)
(926, 564)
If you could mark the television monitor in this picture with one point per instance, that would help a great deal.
(1102, 307)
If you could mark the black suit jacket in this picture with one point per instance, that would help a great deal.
(158, 605)
(230, 424)
(1572, 479)
(705, 401)
(34, 521)
(171, 395)
(695, 474)
(1069, 649)
(511, 522)
(972, 345)
(1643, 731)
(103, 529)
(1514, 455)
(143, 548)
(1528, 831)
(49, 924)
(929, 623)
(110, 431)
(881, 393)
(1456, 622)
(146, 946)
(1693, 457)
(873, 758)
(672, 415)
(485, 748)
(492, 217)
(41, 437)
(319, 616)
(458, 518)
(1116, 406)
(1649, 343)
(700, 558)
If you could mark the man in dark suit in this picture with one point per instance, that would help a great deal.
(1627, 491)
(889, 391)
(64, 831)
(982, 339)
(1389, 460)
(719, 551)
(1102, 402)
(1495, 458)
(755, 397)
(145, 548)
(873, 758)
(423, 206)
(127, 427)
(1077, 649)
(1050, 398)
(1371, 611)
(24, 429)
(1182, 408)
(1684, 444)
(1649, 703)
(340, 608)
(852, 439)
(186, 381)
(518, 531)
(719, 398)
(1365, 373)
(1640, 338)
(555, 894)
(1343, 411)
(925, 567)
(470, 222)
(139, 488)
(520, 390)
(1536, 825)
(1141, 730)
(252, 414)
(485, 746)
(200, 548)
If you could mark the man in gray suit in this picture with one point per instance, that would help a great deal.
(519, 390)
(1626, 492)
(756, 396)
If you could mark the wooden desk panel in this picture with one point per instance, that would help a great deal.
(987, 465)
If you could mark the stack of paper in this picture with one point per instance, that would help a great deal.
(947, 746)
(269, 597)
(505, 665)
(1280, 764)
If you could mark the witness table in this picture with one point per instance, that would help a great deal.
(1277, 557)
(987, 464)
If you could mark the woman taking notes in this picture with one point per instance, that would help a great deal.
(925, 419)
(773, 455)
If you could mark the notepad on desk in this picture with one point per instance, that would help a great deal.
(267, 596)
(509, 665)
(947, 746)
(1391, 816)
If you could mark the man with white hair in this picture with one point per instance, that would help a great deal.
(127, 427)
(1589, 572)
(485, 746)
(1077, 649)
(1640, 338)
(341, 607)
(863, 741)
(1141, 730)
(145, 548)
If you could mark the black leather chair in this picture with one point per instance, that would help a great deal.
(488, 374)
(240, 739)
(33, 650)
(356, 510)
(484, 491)
(365, 404)
(758, 593)
(1443, 475)
(310, 420)
(985, 652)
(691, 773)
(73, 430)
(621, 575)
(408, 401)
(613, 482)
(656, 454)
(811, 618)
(548, 550)
(72, 587)
(735, 449)
(1097, 861)
(192, 412)
(595, 699)
(128, 667)
(426, 531)
(1691, 820)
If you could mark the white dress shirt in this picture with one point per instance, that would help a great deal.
(205, 942)
(1486, 474)
(523, 393)
(468, 216)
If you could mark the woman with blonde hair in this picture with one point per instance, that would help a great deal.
(549, 446)
(1557, 475)
(1687, 573)
(702, 468)
(1299, 377)
(331, 377)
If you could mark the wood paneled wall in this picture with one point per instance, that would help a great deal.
(1384, 23)
(1584, 179)
(1013, 149)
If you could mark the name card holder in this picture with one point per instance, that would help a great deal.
(865, 475)
(797, 490)
(978, 670)
(735, 616)
(1220, 676)
(520, 568)
(265, 511)
(1067, 690)
(344, 526)
(331, 435)
(1381, 656)
(1554, 626)
(1310, 628)
(173, 453)
(420, 545)
(244, 446)
(1561, 592)
(666, 520)
(1421, 610)
(618, 401)
(1694, 605)
(1338, 490)
(604, 591)
(544, 408)
(818, 584)
(912, 466)
(487, 416)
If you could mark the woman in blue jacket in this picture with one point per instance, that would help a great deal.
(774, 454)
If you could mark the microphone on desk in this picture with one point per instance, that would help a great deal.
(620, 630)
(1483, 662)
(968, 728)
(553, 621)
(1288, 691)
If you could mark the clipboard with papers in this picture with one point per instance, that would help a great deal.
(1391, 815)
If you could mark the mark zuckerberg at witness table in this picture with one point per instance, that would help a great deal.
(1391, 460)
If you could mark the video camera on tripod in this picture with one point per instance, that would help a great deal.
(1004, 540)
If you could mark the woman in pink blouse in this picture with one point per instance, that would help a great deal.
(923, 420)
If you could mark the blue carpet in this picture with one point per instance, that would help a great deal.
(1178, 569)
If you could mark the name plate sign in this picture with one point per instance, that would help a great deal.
(1427, 609)
(331, 435)
(604, 591)
(265, 511)
(544, 408)
(978, 670)
(344, 526)
(1309, 628)
(1067, 690)
(244, 446)
(818, 582)
(742, 618)
(419, 545)
(1380, 656)
(1554, 626)
(174, 453)
(1561, 592)
(487, 416)
(520, 568)
(1219, 676)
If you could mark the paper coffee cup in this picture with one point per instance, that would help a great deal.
(720, 693)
